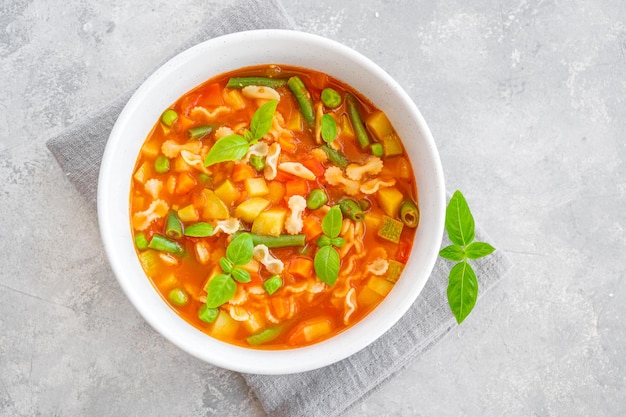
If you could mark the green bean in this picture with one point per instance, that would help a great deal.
(264, 336)
(364, 204)
(178, 297)
(163, 244)
(198, 132)
(377, 149)
(303, 97)
(168, 117)
(335, 157)
(240, 82)
(161, 164)
(257, 162)
(331, 98)
(141, 242)
(357, 122)
(278, 241)
(173, 226)
(351, 209)
(273, 284)
(409, 213)
(316, 199)
(200, 229)
(208, 314)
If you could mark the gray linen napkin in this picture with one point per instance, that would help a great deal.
(333, 389)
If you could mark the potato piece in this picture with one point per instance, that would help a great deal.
(379, 285)
(227, 192)
(390, 200)
(270, 222)
(224, 326)
(214, 207)
(392, 145)
(250, 209)
(368, 297)
(188, 214)
(256, 187)
(379, 124)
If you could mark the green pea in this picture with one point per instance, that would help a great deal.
(316, 199)
(161, 164)
(257, 162)
(178, 297)
(208, 314)
(168, 117)
(377, 149)
(331, 98)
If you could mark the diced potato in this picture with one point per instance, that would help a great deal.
(234, 98)
(373, 220)
(270, 222)
(391, 229)
(368, 297)
(394, 270)
(379, 124)
(254, 324)
(256, 187)
(295, 122)
(180, 165)
(224, 326)
(151, 149)
(346, 126)
(250, 209)
(379, 285)
(188, 214)
(316, 330)
(390, 200)
(214, 207)
(392, 145)
(276, 192)
(227, 192)
(143, 172)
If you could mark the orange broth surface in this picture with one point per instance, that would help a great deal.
(304, 309)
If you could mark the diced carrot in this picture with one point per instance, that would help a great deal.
(314, 165)
(211, 96)
(310, 330)
(311, 227)
(276, 192)
(296, 187)
(404, 249)
(301, 267)
(185, 183)
(287, 144)
(188, 102)
(241, 172)
(280, 305)
(282, 176)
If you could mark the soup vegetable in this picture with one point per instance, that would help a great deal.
(273, 207)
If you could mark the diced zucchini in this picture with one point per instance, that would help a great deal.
(379, 286)
(390, 200)
(256, 187)
(250, 209)
(227, 192)
(392, 145)
(391, 229)
(379, 124)
(270, 222)
(188, 214)
(214, 207)
(150, 262)
(394, 270)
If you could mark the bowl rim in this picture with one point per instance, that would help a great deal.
(186, 336)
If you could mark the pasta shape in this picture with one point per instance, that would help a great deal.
(334, 176)
(373, 185)
(297, 169)
(171, 148)
(271, 161)
(142, 219)
(262, 254)
(372, 166)
(350, 305)
(228, 226)
(260, 92)
(209, 115)
(153, 186)
(294, 223)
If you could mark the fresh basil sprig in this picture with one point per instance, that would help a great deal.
(326, 262)
(328, 128)
(235, 147)
(222, 287)
(462, 283)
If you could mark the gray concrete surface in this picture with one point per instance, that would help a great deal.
(526, 99)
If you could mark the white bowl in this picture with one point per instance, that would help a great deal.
(226, 53)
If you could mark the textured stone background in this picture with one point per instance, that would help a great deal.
(526, 101)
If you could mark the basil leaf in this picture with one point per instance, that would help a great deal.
(462, 290)
(331, 224)
(200, 229)
(478, 250)
(453, 253)
(459, 220)
(241, 275)
(323, 241)
(248, 135)
(329, 128)
(262, 119)
(228, 148)
(326, 264)
(221, 289)
(338, 241)
(226, 265)
(240, 249)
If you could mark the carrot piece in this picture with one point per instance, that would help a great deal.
(241, 172)
(287, 144)
(310, 330)
(296, 187)
(185, 183)
(280, 305)
(314, 165)
(301, 267)
(211, 96)
(311, 227)
(276, 192)
(188, 102)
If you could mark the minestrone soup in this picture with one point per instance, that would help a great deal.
(273, 207)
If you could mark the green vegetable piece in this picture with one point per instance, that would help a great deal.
(272, 284)
(377, 149)
(262, 119)
(338, 241)
(200, 229)
(162, 164)
(335, 156)
(241, 275)
(453, 253)
(329, 128)
(173, 226)
(240, 249)
(178, 297)
(220, 290)
(281, 241)
(226, 265)
(364, 204)
(394, 270)
(476, 250)
(228, 148)
(459, 220)
(323, 241)
(462, 290)
(141, 242)
(351, 209)
(326, 264)
(168, 117)
(331, 223)
(316, 199)
(163, 244)
(331, 98)
(409, 213)
(257, 162)
(204, 177)
(391, 229)
(198, 132)
(265, 336)
(240, 82)
(207, 314)
(303, 97)
(357, 122)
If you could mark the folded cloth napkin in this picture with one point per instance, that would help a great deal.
(331, 390)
